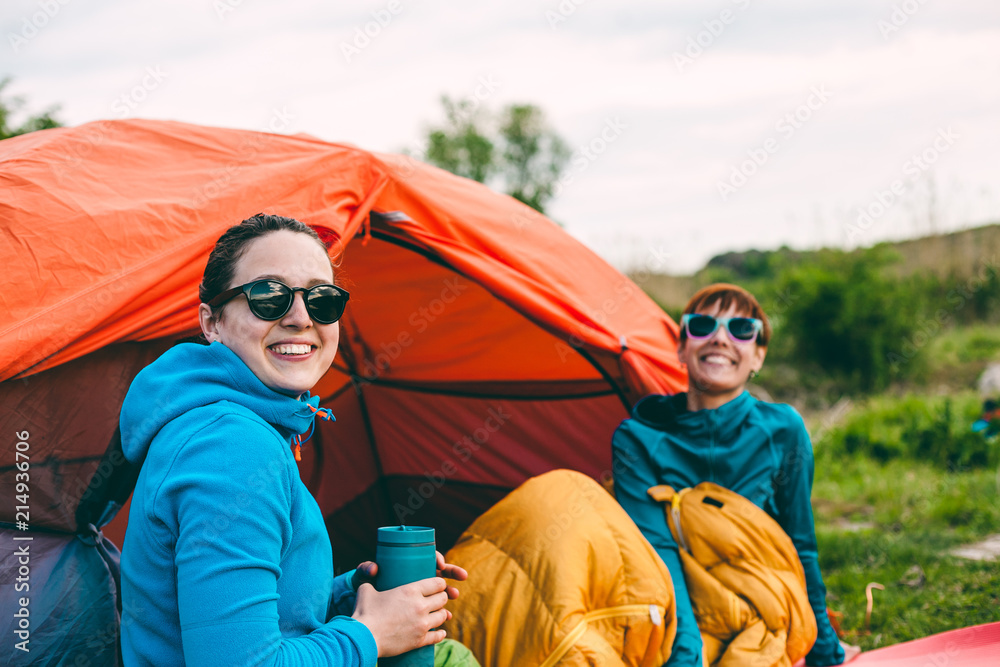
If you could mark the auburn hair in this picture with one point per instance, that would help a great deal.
(726, 295)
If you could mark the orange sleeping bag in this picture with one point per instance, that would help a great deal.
(744, 577)
(559, 573)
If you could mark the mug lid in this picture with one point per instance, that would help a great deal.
(406, 535)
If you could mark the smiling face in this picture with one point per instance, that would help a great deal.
(718, 368)
(290, 354)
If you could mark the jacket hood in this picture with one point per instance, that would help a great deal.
(189, 376)
(670, 413)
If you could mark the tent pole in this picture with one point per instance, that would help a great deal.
(363, 406)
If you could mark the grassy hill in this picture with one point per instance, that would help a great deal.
(958, 254)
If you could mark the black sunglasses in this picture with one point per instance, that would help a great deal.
(271, 299)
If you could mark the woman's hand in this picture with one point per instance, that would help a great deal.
(403, 618)
(850, 652)
(366, 572)
(451, 572)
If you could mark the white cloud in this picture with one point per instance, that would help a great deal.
(686, 129)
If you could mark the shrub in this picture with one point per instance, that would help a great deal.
(846, 317)
(929, 429)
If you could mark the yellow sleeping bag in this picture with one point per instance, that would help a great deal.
(744, 577)
(559, 574)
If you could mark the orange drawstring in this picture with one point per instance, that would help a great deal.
(297, 440)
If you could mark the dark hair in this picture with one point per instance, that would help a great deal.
(726, 295)
(233, 243)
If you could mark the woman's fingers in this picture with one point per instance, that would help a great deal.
(433, 637)
(454, 572)
(430, 586)
(449, 570)
(438, 618)
(436, 602)
(365, 572)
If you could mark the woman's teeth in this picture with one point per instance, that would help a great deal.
(292, 349)
(717, 359)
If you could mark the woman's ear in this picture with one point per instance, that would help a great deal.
(758, 358)
(209, 323)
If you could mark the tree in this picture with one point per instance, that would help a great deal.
(461, 146)
(8, 107)
(514, 150)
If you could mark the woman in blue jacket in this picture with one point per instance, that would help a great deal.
(717, 432)
(227, 560)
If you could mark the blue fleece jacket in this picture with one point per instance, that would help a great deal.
(759, 450)
(226, 559)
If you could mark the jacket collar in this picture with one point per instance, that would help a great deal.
(670, 413)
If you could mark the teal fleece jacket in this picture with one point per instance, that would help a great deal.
(226, 560)
(759, 450)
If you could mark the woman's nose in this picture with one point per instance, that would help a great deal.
(297, 315)
(720, 336)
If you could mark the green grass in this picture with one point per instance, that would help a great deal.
(933, 429)
(874, 521)
(957, 356)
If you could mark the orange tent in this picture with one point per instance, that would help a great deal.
(482, 344)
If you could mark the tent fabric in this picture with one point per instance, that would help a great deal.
(70, 413)
(71, 588)
(976, 646)
(131, 209)
(466, 306)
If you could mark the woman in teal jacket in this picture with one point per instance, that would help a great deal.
(227, 559)
(717, 432)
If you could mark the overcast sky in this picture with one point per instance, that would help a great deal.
(698, 126)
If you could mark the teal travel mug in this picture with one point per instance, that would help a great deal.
(405, 554)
